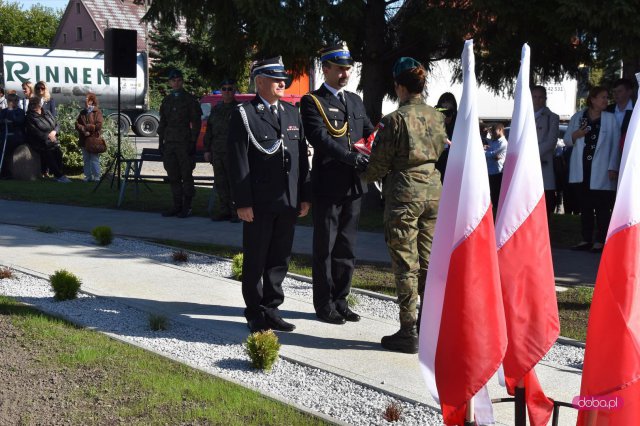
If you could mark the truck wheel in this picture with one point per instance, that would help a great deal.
(123, 123)
(146, 126)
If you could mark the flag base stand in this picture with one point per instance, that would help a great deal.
(520, 407)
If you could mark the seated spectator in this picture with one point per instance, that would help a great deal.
(48, 103)
(12, 124)
(495, 151)
(42, 129)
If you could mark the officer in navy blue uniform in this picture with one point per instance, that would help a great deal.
(334, 120)
(270, 188)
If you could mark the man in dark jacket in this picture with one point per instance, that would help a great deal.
(623, 106)
(269, 176)
(177, 136)
(334, 120)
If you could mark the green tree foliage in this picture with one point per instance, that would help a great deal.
(34, 27)
(380, 31)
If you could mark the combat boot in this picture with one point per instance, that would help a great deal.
(405, 340)
(176, 209)
(186, 208)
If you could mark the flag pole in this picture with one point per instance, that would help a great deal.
(520, 405)
(468, 420)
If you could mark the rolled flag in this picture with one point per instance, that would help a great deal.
(363, 145)
(611, 372)
(463, 335)
(524, 256)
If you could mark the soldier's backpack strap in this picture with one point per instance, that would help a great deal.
(336, 133)
(252, 139)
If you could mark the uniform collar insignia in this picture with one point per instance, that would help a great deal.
(260, 107)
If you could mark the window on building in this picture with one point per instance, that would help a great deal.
(78, 33)
(95, 35)
(64, 38)
(78, 7)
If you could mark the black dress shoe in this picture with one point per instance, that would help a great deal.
(277, 323)
(258, 324)
(349, 315)
(332, 317)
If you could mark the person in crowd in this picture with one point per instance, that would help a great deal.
(89, 124)
(448, 106)
(27, 90)
(547, 129)
(334, 120)
(622, 106)
(406, 149)
(270, 188)
(495, 152)
(215, 143)
(177, 137)
(42, 130)
(48, 103)
(12, 125)
(595, 160)
(3, 100)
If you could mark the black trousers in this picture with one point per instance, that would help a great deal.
(266, 243)
(335, 226)
(495, 183)
(599, 203)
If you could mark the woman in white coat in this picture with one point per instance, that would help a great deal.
(593, 167)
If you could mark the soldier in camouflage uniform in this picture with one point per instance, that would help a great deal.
(215, 143)
(177, 136)
(406, 148)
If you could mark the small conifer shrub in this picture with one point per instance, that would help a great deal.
(236, 266)
(158, 322)
(103, 235)
(5, 273)
(263, 349)
(65, 285)
(393, 412)
(180, 256)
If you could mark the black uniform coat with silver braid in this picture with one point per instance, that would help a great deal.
(268, 182)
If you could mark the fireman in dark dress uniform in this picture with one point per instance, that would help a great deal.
(270, 188)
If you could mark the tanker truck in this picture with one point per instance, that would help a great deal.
(71, 74)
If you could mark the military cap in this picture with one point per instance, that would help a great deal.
(272, 68)
(227, 81)
(337, 54)
(403, 64)
(174, 73)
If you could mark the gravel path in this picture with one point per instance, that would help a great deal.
(312, 388)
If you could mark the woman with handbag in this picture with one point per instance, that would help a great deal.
(88, 125)
(42, 130)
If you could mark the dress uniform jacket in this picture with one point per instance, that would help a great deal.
(268, 182)
(330, 176)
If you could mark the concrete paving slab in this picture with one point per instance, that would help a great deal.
(215, 304)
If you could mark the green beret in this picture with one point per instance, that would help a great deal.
(403, 64)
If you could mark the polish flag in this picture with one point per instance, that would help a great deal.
(463, 335)
(612, 358)
(524, 256)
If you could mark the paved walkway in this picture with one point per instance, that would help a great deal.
(571, 268)
(215, 304)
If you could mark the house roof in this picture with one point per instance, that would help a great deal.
(124, 14)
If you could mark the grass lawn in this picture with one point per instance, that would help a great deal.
(106, 381)
(573, 307)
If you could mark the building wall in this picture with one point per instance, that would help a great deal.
(67, 37)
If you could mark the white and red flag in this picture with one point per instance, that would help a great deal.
(463, 335)
(524, 256)
(611, 372)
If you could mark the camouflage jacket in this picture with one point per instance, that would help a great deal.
(406, 148)
(215, 140)
(179, 118)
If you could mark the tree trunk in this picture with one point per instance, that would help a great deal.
(374, 68)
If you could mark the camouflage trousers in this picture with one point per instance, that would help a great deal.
(222, 184)
(408, 232)
(179, 166)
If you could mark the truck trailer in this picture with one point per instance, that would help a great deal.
(71, 74)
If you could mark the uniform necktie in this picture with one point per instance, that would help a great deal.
(276, 116)
(342, 99)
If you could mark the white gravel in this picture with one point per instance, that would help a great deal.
(315, 389)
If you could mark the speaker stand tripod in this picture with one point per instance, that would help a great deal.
(118, 159)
